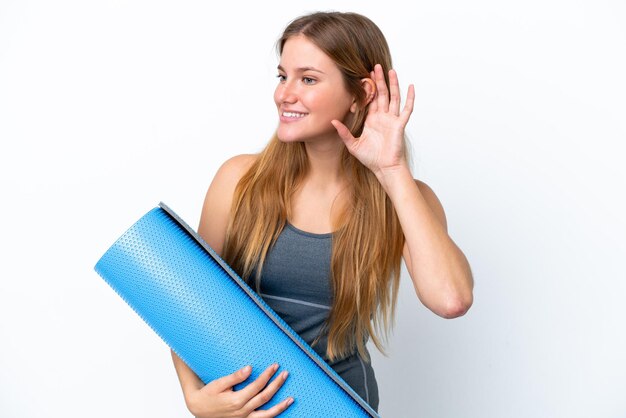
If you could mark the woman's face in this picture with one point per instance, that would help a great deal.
(310, 93)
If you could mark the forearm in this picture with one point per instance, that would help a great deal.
(438, 268)
(189, 381)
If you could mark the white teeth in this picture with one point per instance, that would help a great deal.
(294, 115)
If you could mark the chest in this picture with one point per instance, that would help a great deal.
(298, 267)
(317, 210)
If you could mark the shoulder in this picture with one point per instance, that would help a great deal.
(218, 199)
(432, 200)
(230, 172)
(228, 175)
(235, 167)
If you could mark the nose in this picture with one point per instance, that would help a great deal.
(285, 93)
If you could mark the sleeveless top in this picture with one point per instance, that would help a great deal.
(295, 282)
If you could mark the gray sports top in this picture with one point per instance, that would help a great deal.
(296, 284)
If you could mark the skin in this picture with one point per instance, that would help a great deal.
(439, 270)
(311, 84)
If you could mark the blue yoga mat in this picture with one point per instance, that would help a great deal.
(213, 320)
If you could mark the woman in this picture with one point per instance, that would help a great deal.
(320, 220)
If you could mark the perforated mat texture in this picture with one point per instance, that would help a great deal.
(213, 320)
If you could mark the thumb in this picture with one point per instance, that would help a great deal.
(344, 133)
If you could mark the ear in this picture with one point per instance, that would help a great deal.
(370, 92)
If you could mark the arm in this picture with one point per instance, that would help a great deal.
(217, 398)
(218, 200)
(440, 272)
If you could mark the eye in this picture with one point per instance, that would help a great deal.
(308, 80)
(281, 78)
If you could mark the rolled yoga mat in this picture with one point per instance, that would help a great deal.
(213, 320)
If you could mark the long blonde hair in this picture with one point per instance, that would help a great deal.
(368, 240)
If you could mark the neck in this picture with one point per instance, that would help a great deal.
(325, 162)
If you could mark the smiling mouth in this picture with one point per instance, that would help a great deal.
(293, 115)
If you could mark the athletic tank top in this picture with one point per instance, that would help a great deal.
(295, 283)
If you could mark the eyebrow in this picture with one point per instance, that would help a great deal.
(302, 69)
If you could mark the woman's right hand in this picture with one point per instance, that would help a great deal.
(217, 399)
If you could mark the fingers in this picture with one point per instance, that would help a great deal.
(251, 397)
(394, 90)
(259, 383)
(270, 390)
(344, 133)
(408, 106)
(273, 411)
(388, 99)
(227, 382)
(382, 94)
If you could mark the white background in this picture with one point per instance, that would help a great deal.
(108, 107)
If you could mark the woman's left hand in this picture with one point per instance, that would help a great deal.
(381, 144)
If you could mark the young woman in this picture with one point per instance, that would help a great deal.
(320, 220)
